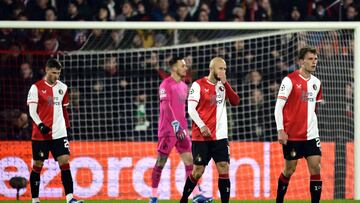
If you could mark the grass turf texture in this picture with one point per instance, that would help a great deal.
(173, 201)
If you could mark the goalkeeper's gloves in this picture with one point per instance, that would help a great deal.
(179, 132)
(44, 129)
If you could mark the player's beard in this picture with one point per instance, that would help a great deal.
(216, 77)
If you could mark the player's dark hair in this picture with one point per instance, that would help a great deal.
(53, 63)
(305, 50)
(174, 60)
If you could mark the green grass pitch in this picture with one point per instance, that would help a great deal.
(173, 201)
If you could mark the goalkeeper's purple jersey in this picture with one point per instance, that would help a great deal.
(172, 96)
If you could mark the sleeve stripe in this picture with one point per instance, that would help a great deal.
(193, 100)
(32, 102)
(282, 97)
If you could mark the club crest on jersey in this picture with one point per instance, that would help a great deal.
(221, 88)
(61, 91)
(191, 91)
(314, 87)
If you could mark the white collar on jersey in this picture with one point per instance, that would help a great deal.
(49, 84)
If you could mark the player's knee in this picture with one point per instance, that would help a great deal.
(161, 161)
(64, 159)
(315, 169)
(198, 172)
(223, 167)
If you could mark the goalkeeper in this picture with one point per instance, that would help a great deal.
(173, 128)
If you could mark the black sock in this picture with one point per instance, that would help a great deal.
(283, 183)
(315, 188)
(224, 187)
(66, 178)
(188, 188)
(35, 183)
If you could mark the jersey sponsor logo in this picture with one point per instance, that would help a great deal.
(206, 90)
(307, 96)
(43, 91)
(298, 85)
(219, 99)
(53, 101)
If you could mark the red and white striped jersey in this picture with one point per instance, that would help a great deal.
(299, 117)
(211, 109)
(50, 100)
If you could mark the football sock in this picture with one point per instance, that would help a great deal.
(283, 183)
(35, 181)
(155, 179)
(66, 178)
(188, 188)
(224, 187)
(315, 188)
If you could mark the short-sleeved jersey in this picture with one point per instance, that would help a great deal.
(301, 95)
(50, 100)
(172, 96)
(211, 109)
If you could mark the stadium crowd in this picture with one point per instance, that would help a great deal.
(23, 54)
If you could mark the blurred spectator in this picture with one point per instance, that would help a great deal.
(295, 15)
(221, 10)
(160, 10)
(238, 14)
(127, 12)
(264, 12)
(193, 8)
(320, 14)
(253, 79)
(84, 9)
(15, 125)
(352, 13)
(72, 12)
(116, 39)
(103, 14)
(182, 13)
(50, 14)
(203, 16)
(35, 9)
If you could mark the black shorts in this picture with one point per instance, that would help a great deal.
(294, 150)
(203, 151)
(58, 147)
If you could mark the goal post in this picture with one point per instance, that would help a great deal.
(276, 28)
